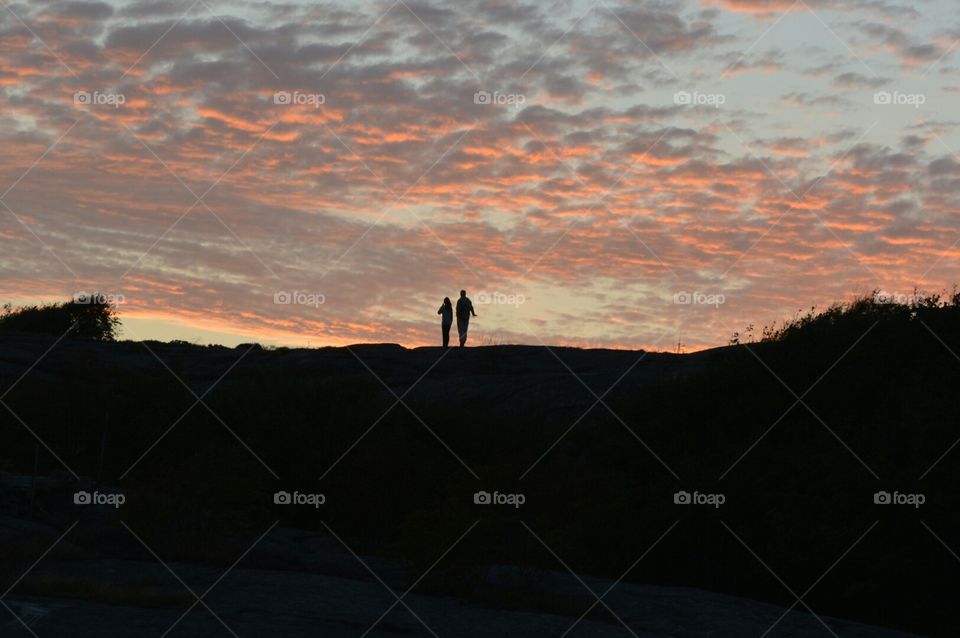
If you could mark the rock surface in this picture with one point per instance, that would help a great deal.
(294, 604)
(553, 379)
(322, 589)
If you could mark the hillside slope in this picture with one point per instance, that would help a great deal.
(597, 442)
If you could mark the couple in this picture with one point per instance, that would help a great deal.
(464, 311)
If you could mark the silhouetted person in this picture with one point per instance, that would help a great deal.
(446, 319)
(464, 310)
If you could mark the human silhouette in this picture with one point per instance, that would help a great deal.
(464, 310)
(446, 319)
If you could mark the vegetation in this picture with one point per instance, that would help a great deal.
(876, 307)
(87, 317)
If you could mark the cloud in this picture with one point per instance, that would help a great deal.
(384, 183)
(898, 42)
(859, 81)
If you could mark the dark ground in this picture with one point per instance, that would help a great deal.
(597, 442)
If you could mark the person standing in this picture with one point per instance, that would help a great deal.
(464, 311)
(446, 320)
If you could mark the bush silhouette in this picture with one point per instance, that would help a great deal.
(89, 318)
(841, 320)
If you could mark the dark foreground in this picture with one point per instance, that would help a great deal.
(386, 450)
(331, 593)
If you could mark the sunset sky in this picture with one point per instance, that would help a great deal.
(582, 168)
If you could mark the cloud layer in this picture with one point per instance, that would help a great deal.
(579, 169)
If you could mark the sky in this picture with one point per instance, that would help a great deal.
(598, 174)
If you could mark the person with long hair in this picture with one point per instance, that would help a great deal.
(446, 320)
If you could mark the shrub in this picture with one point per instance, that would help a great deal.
(837, 319)
(96, 320)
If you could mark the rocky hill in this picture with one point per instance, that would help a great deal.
(199, 440)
